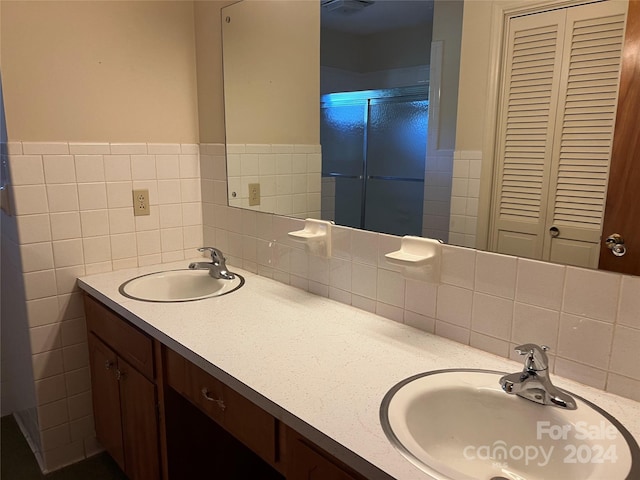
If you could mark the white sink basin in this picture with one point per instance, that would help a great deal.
(178, 286)
(459, 424)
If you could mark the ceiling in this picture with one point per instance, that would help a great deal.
(352, 17)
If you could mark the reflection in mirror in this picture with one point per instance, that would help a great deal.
(495, 126)
(374, 65)
(271, 87)
(374, 79)
(373, 159)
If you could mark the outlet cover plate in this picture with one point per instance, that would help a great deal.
(141, 202)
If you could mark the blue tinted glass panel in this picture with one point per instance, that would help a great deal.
(394, 207)
(397, 138)
(348, 202)
(342, 130)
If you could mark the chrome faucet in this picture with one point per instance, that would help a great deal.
(217, 267)
(533, 383)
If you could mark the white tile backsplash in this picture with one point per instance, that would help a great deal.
(540, 283)
(45, 148)
(495, 274)
(585, 340)
(592, 293)
(117, 168)
(629, 307)
(63, 197)
(89, 168)
(30, 199)
(119, 194)
(391, 288)
(94, 223)
(27, 170)
(143, 167)
(421, 298)
(533, 324)
(35, 228)
(289, 182)
(624, 352)
(92, 196)
(59, 169)
(492, 315)
(458, 266)
(488, 301)
(454, 305)
(78, 148)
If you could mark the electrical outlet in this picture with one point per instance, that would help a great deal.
(254, 194)
(141, 202)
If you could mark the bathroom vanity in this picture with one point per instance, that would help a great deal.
(147, 429)
(266, 382)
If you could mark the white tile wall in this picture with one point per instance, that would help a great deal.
(590, 319)
(289, 178)
(73, 205)
(488, 301)
(465, 191)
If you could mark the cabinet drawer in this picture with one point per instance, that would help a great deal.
(244, 420)
(135, 346)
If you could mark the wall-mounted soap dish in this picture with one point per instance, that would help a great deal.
(316, 235)
(419, 258)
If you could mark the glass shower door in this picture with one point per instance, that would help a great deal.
(342, 135)
(373, 151)
(395, 167)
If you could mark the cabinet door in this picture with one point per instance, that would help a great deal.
(308, 464)
(106, 398)
(139, 424)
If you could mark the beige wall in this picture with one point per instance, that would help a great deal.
(99, 71)
(474, 74)
(209, 69)
(272, 72)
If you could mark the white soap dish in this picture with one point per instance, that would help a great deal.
(419, 257)
(316, 235)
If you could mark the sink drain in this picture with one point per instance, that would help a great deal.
(498, 478)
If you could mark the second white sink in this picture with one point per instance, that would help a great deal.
(460, 425)
(178, 286)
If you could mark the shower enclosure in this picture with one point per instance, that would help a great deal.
(374, 145)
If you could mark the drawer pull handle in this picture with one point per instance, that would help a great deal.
(207, 396)
(108, 364)
(119, 374)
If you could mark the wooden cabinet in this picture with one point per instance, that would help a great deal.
(308, 462)
(247, 422)
(125, 400)
(106, 398)
(197, 427)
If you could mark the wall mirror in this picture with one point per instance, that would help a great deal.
(330, 113)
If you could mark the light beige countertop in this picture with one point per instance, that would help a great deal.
(320, 366)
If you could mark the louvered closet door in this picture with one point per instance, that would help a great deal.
(584, 132)
(530, 90)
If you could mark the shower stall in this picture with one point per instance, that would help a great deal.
(374, 146)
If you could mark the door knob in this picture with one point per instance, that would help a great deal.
(615, 243)
(554, 231)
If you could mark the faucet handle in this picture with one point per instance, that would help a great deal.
(536, 357)
(216, 255)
